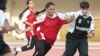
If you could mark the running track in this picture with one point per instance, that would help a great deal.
(57, 50)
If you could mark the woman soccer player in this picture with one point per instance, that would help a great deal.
(79, 30)
(28, 16)
(50, 24)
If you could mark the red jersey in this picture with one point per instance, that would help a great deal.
(50, 28)
(29, 16)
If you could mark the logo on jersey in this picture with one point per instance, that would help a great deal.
(82, 28)
(79, 21)
(88, 21)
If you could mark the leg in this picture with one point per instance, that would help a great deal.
(65, 47)
(16, 50)
(6, 51)
(47, 48)
(4, 48)
(40, 46)
(83, 47)
(71, 45)
(30, 45)
(35, 53)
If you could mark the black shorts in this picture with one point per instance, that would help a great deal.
(4, 48)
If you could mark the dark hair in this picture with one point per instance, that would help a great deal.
(3, 5)
(20, 15)
(46, 6)
(27, 2)
(84, 4)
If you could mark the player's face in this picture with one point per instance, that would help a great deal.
(31, 4)
(84, 11)
(50, 10)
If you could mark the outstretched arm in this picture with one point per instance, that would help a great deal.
(68, 17)
(20, 31)
(6, 28)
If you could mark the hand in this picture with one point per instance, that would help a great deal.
(71, 19)
(29, 29)
(31, 26)
(3, 30)
(16, 26)
(90, 35)
(18, 31)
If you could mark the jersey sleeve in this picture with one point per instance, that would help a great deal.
(69, 14)
(61, 16)
(24, 16)
(40, 19)
(2, 18)
(92, 28)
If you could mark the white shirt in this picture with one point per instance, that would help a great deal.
(24, 16)
(2, 18)
(71, 26)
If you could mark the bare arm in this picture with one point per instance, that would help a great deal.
(20, 31)
(70, 19)
(69, 16)
(7, 27)
(27, 23)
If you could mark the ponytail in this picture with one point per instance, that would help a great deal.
(38, 12)
(20, 16)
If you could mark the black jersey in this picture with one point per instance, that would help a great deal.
(81, 25)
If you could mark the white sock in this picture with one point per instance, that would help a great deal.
(18, 49)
